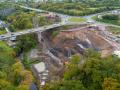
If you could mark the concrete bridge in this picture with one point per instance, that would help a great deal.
(13, 35)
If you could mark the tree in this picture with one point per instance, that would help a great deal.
(91, 75)
(12, 73)
(16, 71)
(3, 75)
(72, 68)
(4, 83)
(111, 17)
(26, 43)
(22, 87)
(21, 76)
(27, 77)
(75, 59)
(6, 55)
(42, 21)
(66, 85)
(111, 84)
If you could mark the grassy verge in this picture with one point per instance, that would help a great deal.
(114, 30)
(114, 22)
(2, 31)
(75, 19)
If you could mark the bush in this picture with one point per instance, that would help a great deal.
(111, 17)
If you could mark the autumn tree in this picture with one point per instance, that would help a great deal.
(111, 84)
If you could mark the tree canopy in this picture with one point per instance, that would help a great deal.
(95, 73)
(12, 74)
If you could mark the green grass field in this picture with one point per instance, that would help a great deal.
(75, 19)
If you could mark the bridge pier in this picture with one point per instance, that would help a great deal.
(46, 50)
(40, 40)
(39, 36)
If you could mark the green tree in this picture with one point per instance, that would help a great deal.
(93, 73)
(22, 87)
(111, 84)
(26, 43)
(67, 85)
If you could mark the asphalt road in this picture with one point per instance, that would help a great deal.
(64, 21)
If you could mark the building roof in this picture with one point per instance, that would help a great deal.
(40, 67)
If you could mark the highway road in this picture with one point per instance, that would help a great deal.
(89, 18)
(64, 21)
(64, 17)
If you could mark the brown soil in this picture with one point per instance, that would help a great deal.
(67, 43)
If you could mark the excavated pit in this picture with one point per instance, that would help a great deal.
(76, 40)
